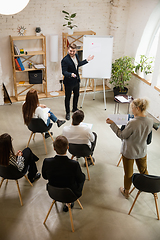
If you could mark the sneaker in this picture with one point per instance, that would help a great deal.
(47, 134)
(122, 190)
(60, 122)
(38, 175)
(89, 161)
(65, 208)
(67, 116)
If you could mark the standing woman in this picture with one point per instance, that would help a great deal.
(134, 142)
(21, 160)
(33, 109)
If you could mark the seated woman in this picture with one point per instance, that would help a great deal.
(134, 142)
(33, 109)
(21, 160)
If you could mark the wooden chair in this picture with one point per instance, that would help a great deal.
(81, 150)
(64, 195)
(37, 125)
(12, 173)
(146, 183)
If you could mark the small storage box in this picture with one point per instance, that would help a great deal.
(35, 77)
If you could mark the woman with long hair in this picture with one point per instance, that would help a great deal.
(134, 142)
(21, 160)
(33, 109)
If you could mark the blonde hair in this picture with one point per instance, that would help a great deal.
(140, 103)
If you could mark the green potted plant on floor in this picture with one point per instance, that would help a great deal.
(69, 18)
(121, 74)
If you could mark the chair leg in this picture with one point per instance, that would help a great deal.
(70, 214)
(51, 136)
(72, 157)
(91, 159)
(134, 202)
(20, 197)
(119, 161)
(28, 180)
(155, 198)
(132, 190)
(49, 211)
(29, 139)
(44, 142)
(80, 204)
(34, 136)
(87, 168)
(1, 182)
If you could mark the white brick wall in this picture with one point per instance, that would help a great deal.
(123, 19)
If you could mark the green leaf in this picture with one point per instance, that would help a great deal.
(65, 12)
(73, 15)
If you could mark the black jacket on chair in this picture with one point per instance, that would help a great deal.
(62, 172)
(68, 67)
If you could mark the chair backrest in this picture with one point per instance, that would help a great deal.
(38, 125)
(11, 172)
(146, 183)
(79, 150)
(65, 195)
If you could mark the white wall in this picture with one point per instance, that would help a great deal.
(125, 20)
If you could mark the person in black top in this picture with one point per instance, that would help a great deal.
(70, 64)
(62, 172)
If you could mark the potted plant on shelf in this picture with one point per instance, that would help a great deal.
(121, 74)
(69, 18)
(38, 31)
(144, 67)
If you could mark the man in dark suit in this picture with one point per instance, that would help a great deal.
(70, 64)
(60, 171)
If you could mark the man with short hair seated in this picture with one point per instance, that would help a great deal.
(79, 133)
(62, 172)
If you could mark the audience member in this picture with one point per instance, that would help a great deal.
(134, 141)
(21, 160)
(62, 172)
(80, 133)
(33, 109)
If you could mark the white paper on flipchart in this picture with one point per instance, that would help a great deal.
(119, 119)
(122, 99)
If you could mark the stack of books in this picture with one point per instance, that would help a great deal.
(19, 64)
(16, 50)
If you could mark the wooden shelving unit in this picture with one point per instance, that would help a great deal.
(23, 85)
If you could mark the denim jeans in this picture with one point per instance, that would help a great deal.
(52, 117)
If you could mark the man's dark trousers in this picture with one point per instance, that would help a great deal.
(68, 93)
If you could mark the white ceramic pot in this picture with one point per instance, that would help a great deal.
(70, 31)
(38, 34)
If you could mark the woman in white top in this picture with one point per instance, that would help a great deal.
(33, 109)
(134, 141)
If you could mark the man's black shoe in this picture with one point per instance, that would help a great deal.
(65, 208)
(47, 134)
(73, 110)
(67, 116)
(89, 161)
(38, 175)
(60, 122)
